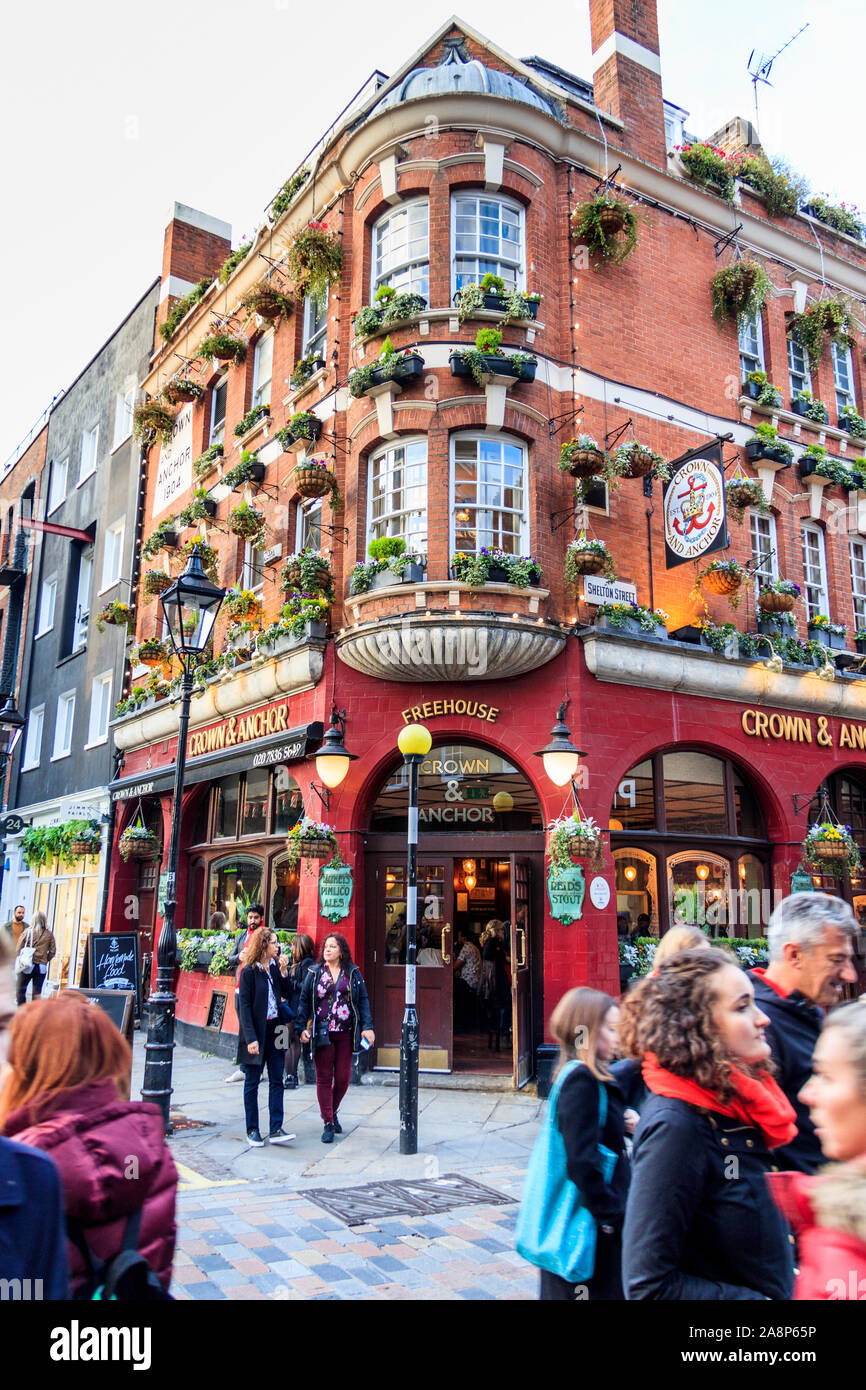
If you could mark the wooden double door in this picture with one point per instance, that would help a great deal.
(443, 911)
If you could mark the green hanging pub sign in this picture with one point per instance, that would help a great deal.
(566, 889)
(335, 890)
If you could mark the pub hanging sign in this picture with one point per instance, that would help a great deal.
(335, 890)
(566, 889)
(694, 506)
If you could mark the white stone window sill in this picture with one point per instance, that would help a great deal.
(58, 757)
(97, 743)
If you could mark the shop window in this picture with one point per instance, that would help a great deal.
(226, 793)
(487, 234)
(747, 812)
(254, 806)
(750, 873)
(699, 890)
(288, 801)
(637, 890)
(751, 336)
(460, 787)
(401, 249)
(233, 884)
(398, 494)
(201, 827)
(694, 794)
(489, 495)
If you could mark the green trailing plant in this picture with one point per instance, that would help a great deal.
(233, 260)
(182, 388)
(709, 165)
(852, 421)
(768, 394)
(718, 636)
(160, 539)
(252, 417)
(116, 614)
(151, 421)
(307, 571)
(814, 409)
(196, 510)
(781, 189)
(243, 603)
(42, 844)
(522, 570)
(383, 368)
(571, 837)
(842, 217)
(248, 522)
(831, 318)
(242, 473)
(639, 953)
(826, 466)
(208, 554)
(575, 556)
(305, 367)
(739, 291)
(300, 610)
(768, 437)
(287, 194)
(633, 460)
(741, 493)
(303, 425)
(469, 300)
(620, 614)
(390, 309)
(315, 259)
(226, 347)
(269, 302)
(386, 553)
(207, 462)
(208, 667)
(609, 227)
(181, 308)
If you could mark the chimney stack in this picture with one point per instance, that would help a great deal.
(627, 73)
(195, 246)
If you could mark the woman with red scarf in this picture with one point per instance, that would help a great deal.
(700, 1223)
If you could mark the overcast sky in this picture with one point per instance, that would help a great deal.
(110, 112)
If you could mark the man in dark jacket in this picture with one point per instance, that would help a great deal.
(32, 1230)
(811, 945)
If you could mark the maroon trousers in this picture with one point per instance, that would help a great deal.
(333, 1073)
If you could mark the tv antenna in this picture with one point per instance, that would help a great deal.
(760, 66)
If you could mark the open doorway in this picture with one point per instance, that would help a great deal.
(482, 1008)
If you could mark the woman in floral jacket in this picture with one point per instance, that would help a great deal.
(336, 1010)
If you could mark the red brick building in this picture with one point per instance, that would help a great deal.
(699, 764)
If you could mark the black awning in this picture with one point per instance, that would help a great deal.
(277, 751)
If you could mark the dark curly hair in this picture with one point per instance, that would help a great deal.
(670, 1013)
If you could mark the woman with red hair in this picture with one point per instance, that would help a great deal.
(66, 1092)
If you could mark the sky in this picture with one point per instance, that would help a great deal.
(111, 112)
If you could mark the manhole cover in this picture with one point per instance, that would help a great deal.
(375, 1200)
(179, 1123)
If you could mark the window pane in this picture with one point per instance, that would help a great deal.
(694, 794)
(750, 822)
(263, 370)
(254, 815)
(815, 590)
(398, 487)
(633, 805)
(234, 884)
(289, 804)
(226, 793)
(485, 515)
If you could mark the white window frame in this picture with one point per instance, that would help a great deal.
(124, 406)
(492, 262)
(769, 570)
(810, 529)
(100, 710)
(252, 562)
(44, 624)
(488, 438)
(217, 435)
(409, 274)
(858, 581)
(315, 332)
(56, 466)
(793, 371)
(261, 397)
(113, 547)
(751, 350)
(64, 721)
(88, 455)
(28, 761)
(308, 519)
(844, 394)
(400, 514)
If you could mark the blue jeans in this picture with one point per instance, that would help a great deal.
(274, 1060)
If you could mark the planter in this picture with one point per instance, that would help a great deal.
(315, 849)
(83, 847)
(494, 366)
(776, 603)
(313, 632)
(611, 219)
(856, 484)
(292, 579)
(315, 431)
(632, 628)
(586, 463)
(809, 468)
(310, 481)
(769, 628)
(202, 961)
(143, 851)
(386, 579)
(799, 408)
(755, 451)
(860, 644)
(751, 389)
(722, 583)
(587, 561)
(177, 391)
(690, 634)
(315, 366)
(640, 463)
(152, 659)
(408, 369)
(832, 850)
(834, 640)
(256, 475)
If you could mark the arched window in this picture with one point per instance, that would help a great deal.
(690, 845)
(398, 494)
(460, 787)
(488, 491)
(401, 249)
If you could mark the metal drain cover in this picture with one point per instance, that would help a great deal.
(427, 1196)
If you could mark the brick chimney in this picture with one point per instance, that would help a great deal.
(195, 246)
(627, 73)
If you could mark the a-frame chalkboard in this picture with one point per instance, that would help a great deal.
(114, 963)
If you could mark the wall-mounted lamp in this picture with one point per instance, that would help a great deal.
(774, 661)
(11, 724)
(333, 758)
(560, 757)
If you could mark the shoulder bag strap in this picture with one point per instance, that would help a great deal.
(602, 1107)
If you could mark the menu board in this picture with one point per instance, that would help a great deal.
(113, 960)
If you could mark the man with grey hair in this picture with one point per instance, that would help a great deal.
(811, 944)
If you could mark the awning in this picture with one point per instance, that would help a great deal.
(286, 747)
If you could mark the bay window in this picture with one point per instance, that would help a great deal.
(488, 495)
(398, 494)
(487, 235)
(401, 249)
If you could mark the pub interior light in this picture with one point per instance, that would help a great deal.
(560, 757)
(630, 872)
(702, 871)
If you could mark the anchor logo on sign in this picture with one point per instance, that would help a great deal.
(692, 508)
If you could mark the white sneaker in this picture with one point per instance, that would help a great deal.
(235, 1076)
(280, 1137)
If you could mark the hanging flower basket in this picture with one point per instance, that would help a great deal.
(152, 652)
(225, 347)
(246, 521)
(310, 840)
(182, 389)
(587, 560)
(585, 556)
(242, 603)
(307, 571)
(574, 837)
(137, 842)
(315, 259)
(268, 302)
(742, 493)
(828, 847)
(116, 615)
(153, 420)
(641, 461)
(582, 457)
(778, 599)
(84, 838)
(313, 478)
(739, 291)
(722, 582)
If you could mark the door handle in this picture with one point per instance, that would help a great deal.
(521, 959)
(446, 959)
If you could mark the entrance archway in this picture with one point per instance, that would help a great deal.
(480, 862)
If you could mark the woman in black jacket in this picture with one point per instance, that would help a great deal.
(584, 1023)
(336, 1011)
(264, 1027)
(303, 960)
(700, 1223)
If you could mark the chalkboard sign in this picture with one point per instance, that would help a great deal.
(113, 962)
(217, 1010)
(117, 1003)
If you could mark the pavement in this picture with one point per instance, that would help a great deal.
(438, 1224)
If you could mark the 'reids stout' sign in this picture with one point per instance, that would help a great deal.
(694, 506)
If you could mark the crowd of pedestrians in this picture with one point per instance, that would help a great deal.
(746, 1177)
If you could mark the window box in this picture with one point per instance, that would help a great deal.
(855, 483)
(412, 574)
(798, 407)
(305, 368)
(860, 644)
(751, 389)
(498, 304)
(287, 642)
(632, 627)
(756, 451)
(495, 366)
(303, 428)
(772, 627)
(834, 640)
(407, 369)
(202, 961)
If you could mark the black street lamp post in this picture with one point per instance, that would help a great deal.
(190, 606)
(414, 743)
